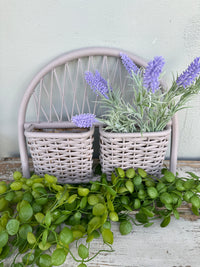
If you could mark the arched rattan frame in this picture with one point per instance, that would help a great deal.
(63, 59)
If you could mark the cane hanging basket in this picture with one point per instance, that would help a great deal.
(64, 152)
(127, 150)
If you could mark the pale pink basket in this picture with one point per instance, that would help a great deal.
(125, 150)
(64, 152)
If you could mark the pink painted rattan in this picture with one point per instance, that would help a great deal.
(127, 150)
(61, 151)
(59, 91)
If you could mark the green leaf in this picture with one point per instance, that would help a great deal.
(50, 178)
(111, 191)
(92, 200)
(147, 211)
(107, 236)
(94, 224)
(66, 236)
(195, 200)
(45, 260)
(152, 192)
(83, 251)
(58, 256)
(148, 224)
(83, 202)
(137, 180)
(166, 198)
(195, 210)
(5, 252)
(82, 265)
(110, 205)
(41, 201)
(166, 221)
(24, 229)
(12, 226)
(189, 184)
(169, 206)
(28, 197)
(96, 234)
(9, 196)
(61, 219)
(98, 209)
(169, 176)
(3, 238)
(28, 259)
(25, 212)
(125, 227)
(120, 172)
(114, 216)
(45, 246)
(142, 172)
(83, 192)
(72, 198)
(39, 217)
(106, 225)
(130, 186)
(44, 237)
(141, 217)
(47, 219)
(130, 173)
(31, 238)
(176, 214)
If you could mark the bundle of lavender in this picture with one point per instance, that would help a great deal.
(150, 107)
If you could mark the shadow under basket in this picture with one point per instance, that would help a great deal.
(65, 152)
(126, 150)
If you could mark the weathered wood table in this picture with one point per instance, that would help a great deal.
(177, 245)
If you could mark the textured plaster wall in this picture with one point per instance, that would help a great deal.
(34, 32)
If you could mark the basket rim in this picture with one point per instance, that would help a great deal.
(165, 132)
(29, 130)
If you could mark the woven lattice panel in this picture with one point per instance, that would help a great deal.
(63, 92)
(68, 156)
(133, 150)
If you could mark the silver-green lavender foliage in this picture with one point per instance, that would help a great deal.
(146, 111)
(150, 108)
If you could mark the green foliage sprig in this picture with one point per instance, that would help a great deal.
(41, 218)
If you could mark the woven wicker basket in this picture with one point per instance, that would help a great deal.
(127, 150)
(64, 152)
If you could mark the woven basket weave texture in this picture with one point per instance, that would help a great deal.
(68, 156)
(133, 150)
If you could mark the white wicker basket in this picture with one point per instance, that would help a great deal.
(127, 150)
(64, 152)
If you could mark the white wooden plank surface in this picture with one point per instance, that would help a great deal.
(176, 245)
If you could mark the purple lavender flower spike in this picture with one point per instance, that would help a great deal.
(97, 83)
(129, 64)
(190, 74)
(85, 120)
(152, 73)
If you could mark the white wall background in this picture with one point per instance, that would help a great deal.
(34, 32)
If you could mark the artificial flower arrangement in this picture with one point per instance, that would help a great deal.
(151, 107)
(135, 132)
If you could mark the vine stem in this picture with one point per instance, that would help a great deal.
(101, 250)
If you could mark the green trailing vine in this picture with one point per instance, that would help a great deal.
(41, 218)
